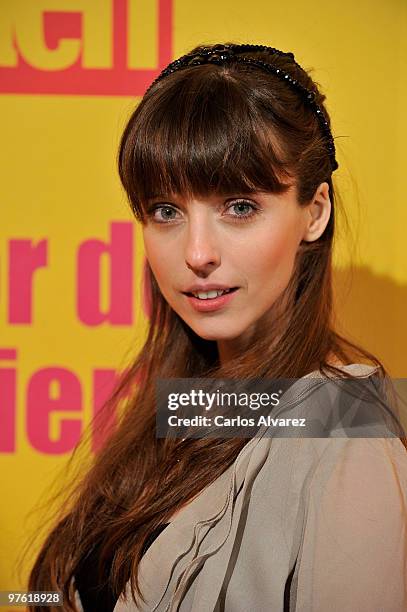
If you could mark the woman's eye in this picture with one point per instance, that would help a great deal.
(165, 213)
(243, 209)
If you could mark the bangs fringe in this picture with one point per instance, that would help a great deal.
(199, 137)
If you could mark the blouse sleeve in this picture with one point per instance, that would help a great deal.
(354, 546)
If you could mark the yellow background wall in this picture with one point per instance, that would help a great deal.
(59, 185)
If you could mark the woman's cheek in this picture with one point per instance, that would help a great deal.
(272, 264)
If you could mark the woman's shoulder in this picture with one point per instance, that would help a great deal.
(355, 369)
(356, 458)
(300, 465)
(322, 428)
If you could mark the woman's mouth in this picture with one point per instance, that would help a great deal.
(207, 301)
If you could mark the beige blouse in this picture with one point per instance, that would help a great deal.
(335, 509)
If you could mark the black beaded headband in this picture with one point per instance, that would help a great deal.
(228, 53)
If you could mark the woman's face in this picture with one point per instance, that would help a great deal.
(246, 243)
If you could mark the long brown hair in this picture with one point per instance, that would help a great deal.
(202, 129)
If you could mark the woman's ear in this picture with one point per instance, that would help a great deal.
(318, 213)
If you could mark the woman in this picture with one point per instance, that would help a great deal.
(227, 163)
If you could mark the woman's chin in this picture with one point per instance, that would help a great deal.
(222, 333)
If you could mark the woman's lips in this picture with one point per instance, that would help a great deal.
(211, 304)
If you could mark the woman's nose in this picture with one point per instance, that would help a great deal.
(202, 253)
